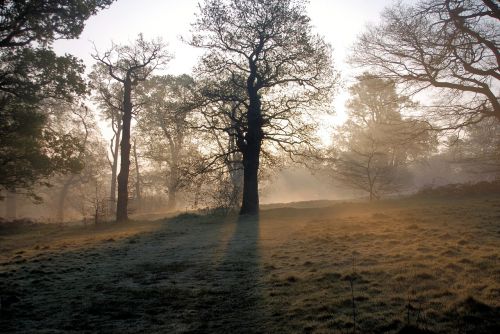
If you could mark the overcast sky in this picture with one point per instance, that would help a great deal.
(339, 21)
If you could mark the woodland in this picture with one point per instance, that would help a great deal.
(147, 202)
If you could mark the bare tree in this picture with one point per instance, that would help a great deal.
(264, 49)
(130, 65)
(365, 165)
(168, 103)
(109, 97)
(220, 116)
(450, 45)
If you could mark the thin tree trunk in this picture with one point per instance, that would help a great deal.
(173, 178)
(123, 176)
(172, 185)
(62, 199)
(137, 175)
(235, 167)
(172, 200)
(370, 180)
(114, 167)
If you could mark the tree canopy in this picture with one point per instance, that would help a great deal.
(270, 67)
(43, 21)
(31, 74)
(451, 45)
(164, 122)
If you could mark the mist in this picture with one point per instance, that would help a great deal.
(249, 166)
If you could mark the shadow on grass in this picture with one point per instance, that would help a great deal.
(235, 304)
(189, 275)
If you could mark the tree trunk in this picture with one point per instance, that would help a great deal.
(235, 167)
(62, 199)
(372, 189)
(250, 201)
(172, 186)
(114, 167)
(11, 205)
(172, 200)
(173, 177)
(122, 203)
(251, 155)
(137, 175)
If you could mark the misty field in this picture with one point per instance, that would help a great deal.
(318, 267)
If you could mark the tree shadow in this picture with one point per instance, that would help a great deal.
(236, 303)
(193, 274)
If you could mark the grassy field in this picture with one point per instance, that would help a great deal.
(395, 266)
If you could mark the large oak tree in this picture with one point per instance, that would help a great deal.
(265, 59)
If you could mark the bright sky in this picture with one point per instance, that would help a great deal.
(339, 21)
